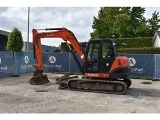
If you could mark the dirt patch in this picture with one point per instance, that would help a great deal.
(41, 90)
(146, 83)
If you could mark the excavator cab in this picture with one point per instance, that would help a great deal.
(100, 56)
(102, 62)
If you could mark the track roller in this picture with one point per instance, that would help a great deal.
(114, 87)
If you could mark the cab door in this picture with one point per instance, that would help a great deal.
(92, 56)
(100, 56)
(107, 56)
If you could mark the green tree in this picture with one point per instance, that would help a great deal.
(154, 23)
(121, 27)
(103, 23)
(137, 18)
(124, 22)
(143, 30)
(64, 47)
(15, 40)
(125, 10)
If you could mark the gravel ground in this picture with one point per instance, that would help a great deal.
(18, 96)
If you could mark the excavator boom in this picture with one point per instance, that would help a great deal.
(62, 33)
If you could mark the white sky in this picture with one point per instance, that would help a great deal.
(74, 15)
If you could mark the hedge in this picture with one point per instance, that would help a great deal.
(140, 42)
(141, 45)
(146, 50)
(65, 48)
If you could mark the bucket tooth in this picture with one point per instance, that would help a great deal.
(39, 79)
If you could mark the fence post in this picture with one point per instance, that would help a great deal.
(14, 67)
(154, 71)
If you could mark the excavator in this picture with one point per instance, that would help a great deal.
(103, 69)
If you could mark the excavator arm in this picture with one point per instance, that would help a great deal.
(62, 33)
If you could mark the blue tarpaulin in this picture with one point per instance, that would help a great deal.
(141, 65)
(23, 62)
(56, 62)
(6, 63)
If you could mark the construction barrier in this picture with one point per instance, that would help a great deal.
(56, 62)
(23, 62)
(6, 63)
(141, 65)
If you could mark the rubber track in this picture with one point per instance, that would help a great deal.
(96, 82)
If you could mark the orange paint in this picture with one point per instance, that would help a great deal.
(120, 62)
(63, 33)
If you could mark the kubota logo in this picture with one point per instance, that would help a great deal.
(50, 35)
(52, 59)
(132, 61)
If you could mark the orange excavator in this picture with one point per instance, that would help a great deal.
(103, 69)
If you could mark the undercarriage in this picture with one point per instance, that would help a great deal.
(94, 85)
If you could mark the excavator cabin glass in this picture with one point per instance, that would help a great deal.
(100, 55)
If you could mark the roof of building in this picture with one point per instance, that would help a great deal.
(2, 32)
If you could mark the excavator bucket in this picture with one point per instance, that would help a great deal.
(65, 76)
(63, 80)
(39, 79)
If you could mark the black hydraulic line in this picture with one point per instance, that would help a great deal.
(51, 29)
(34, 55)
(74, 55)
(77, 61)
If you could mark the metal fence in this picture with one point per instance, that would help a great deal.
(142, 65)
(157, 66)
(16, 63)
(56, 62)
(6, 63)
(23, 62)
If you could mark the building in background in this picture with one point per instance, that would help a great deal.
(3, 40)
(156, 39)
(45, 48)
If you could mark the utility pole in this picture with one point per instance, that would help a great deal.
(28, 29)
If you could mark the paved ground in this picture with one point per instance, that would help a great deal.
(18, 96)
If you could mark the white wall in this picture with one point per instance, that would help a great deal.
(157, 41)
